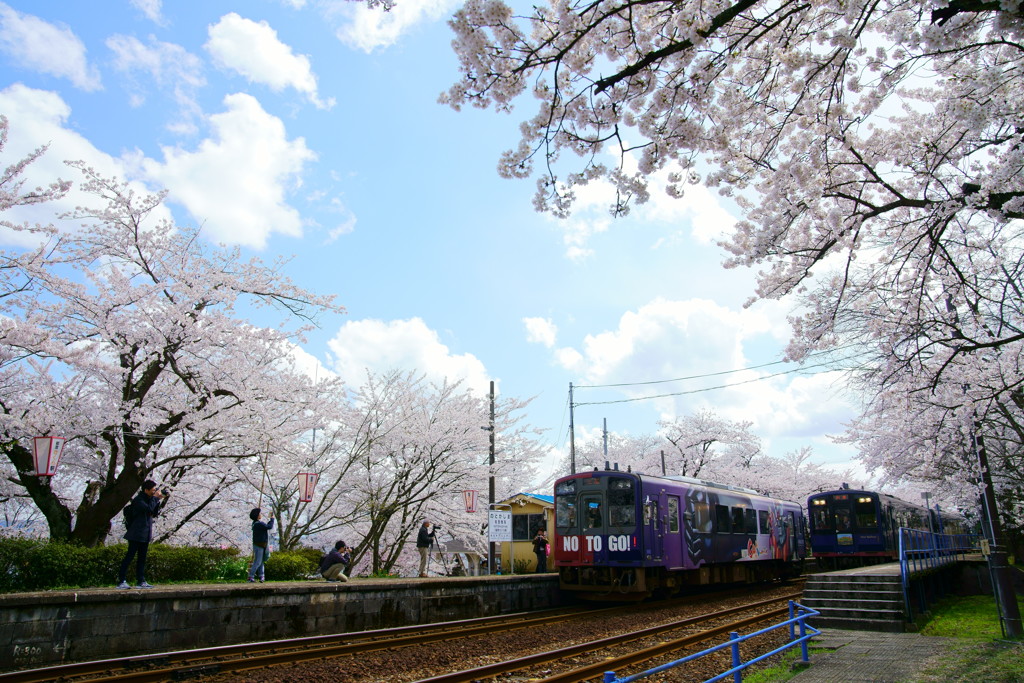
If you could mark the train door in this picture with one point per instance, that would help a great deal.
(791, 536)
(653, 528)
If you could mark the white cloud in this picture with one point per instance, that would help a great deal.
(408, 345)
(168, 66)
(151, 8)
(36, 118)
(541, 331)
(46, 48)
(235, 183)
(253, 50)
(711, 346)
(367, 29)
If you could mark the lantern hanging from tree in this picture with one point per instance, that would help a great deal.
(46, 452)
(470, 498)
(307, 482)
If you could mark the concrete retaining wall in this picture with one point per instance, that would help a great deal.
(56, 627)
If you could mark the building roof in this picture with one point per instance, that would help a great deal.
(537, 497)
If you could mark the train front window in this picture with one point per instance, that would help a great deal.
(865, 511)
(621, 502)
(565, 512)
(594, 516)
(843, 520)
(821, 518)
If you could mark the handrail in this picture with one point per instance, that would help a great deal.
(922, 551)
(797, 616)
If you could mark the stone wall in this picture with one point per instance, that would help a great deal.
(55, 627)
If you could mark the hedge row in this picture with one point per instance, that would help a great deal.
(31, 565)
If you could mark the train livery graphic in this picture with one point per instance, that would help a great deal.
(853, 528)
(628, 535)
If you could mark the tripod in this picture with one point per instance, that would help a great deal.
(433, 544)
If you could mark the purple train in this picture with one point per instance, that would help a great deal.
(623, 535)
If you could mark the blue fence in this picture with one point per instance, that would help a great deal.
(797, 622)
(923, 551)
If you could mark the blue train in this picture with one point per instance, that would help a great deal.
(622, 535)
(853, 528)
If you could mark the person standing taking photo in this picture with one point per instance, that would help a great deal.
(423, 540)
(540, 549)
(139, 517)
(260, 544)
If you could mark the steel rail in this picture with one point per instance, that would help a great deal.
(208, 661)
(499, 668)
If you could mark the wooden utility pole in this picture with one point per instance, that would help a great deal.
(572, 436)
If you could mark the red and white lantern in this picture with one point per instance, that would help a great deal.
(307, 482)
(46, 451)
(470, 498)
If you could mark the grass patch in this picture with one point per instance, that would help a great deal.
(982, 655)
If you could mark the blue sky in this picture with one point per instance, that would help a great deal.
(310, 129)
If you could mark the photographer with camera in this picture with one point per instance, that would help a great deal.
(139, 517)
(423, 542)
(260, 544)
(333, 564)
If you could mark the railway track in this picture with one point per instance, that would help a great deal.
(215, 663)
(622, 661)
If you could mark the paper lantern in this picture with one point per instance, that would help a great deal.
(307, 482)
(46, 451)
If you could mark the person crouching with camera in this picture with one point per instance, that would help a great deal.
(333, 564)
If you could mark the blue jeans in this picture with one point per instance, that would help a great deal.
(259, 557)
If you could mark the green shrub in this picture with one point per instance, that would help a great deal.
(30, 565)
(292, 565)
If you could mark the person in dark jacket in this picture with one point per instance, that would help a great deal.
(423, 540)
(260, 544)
(143, 508)
(332, 566)
(540, 550)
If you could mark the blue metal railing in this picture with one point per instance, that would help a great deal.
(924, 551)
(797, 620)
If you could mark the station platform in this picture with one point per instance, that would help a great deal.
(870, 657)
(55, 627)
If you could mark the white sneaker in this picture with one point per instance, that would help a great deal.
(145, 584)
(123, 585)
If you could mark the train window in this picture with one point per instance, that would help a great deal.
(762, 517)
(864, 510)
(738, 525)
(699, 515)
(750, 521)
(673, 514)
(565, 512)
(821, 520)
(566, 487)
(722, 519)
(843, 520)
(593, 512)
(621, 502)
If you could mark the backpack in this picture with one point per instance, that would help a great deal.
(128, 515)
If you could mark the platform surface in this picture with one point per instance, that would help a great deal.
(871, 657)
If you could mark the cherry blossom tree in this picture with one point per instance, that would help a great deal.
(415, 447)
(123, 335)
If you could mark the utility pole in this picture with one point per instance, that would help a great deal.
(604, 431)
(1006, 598)
(490, 481)
(572, 437)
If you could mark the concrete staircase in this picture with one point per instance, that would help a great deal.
(858, 602)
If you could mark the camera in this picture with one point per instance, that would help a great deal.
(166, 491)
